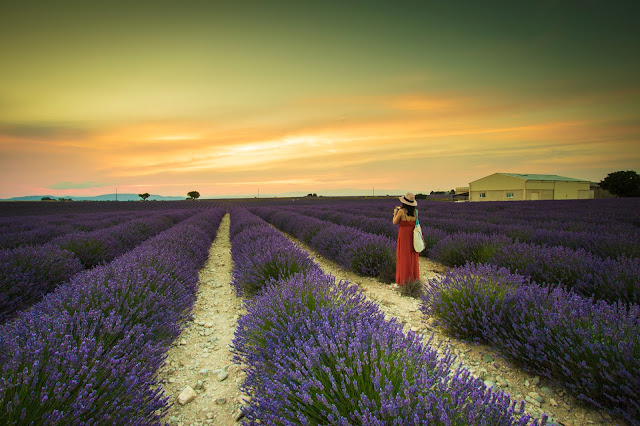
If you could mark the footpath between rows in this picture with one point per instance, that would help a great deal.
(199, 376)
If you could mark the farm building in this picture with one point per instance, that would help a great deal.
(514, 186)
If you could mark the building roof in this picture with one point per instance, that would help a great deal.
(542, 177)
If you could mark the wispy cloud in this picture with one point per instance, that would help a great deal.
(77, 185)
(41, 131)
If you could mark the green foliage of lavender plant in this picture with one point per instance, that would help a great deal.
(372, 256)
(301, 299)
(411, 288)
(90, 250)
(263, 256)
(460, 302)
(28, 273)
(459, 249)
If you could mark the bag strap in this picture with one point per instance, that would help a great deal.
(417, 220)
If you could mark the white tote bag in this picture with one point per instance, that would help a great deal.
(418, 240)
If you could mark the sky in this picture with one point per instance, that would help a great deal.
(258, 98)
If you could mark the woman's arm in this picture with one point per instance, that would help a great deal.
(398, 215)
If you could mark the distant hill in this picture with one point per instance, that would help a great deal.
(104, 197)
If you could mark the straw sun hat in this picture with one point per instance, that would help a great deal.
(408, 199)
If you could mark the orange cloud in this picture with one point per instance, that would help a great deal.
(340, 141)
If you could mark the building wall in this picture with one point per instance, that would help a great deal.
(539, 190)
(599, 193)
(572, 191)
(539, 194)
(496, 187)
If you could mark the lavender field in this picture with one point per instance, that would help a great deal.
(93, 294)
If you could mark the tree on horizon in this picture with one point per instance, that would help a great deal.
(622, 183)
(144, 196)
(193, 195)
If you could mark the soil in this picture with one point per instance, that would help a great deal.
(202, 352)
(203, 349)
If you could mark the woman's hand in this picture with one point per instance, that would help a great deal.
(396, 217)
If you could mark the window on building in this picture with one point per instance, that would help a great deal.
(509, 194)
(483, 195)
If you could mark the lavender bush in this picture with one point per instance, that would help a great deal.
(36, 230)
(265, 260)
(364, 253)
(606, 279)
(85, 368)
(591, 348)
(242, 219)
(88, 353)
(333, 241)
(263, 256)
(103, 245)
(372, 256)
(318, 353)
(28, 273)
(458, 249)
(91, 250)
(289, 222)
(32, 237)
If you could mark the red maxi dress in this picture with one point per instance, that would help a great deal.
(407, 264)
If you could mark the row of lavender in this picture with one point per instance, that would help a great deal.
(611, 216)
(318, 353)
(29, 208)
(19, 231)
(611, 230)
(28, 273)
(591, 348)
(88, 353)
(362, 252)
(605, 278)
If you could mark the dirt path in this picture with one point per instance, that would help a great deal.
(481, 360)
(201, 358)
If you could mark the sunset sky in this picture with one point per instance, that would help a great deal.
(234, 97)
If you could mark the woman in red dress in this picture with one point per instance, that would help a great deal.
(407, 264)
